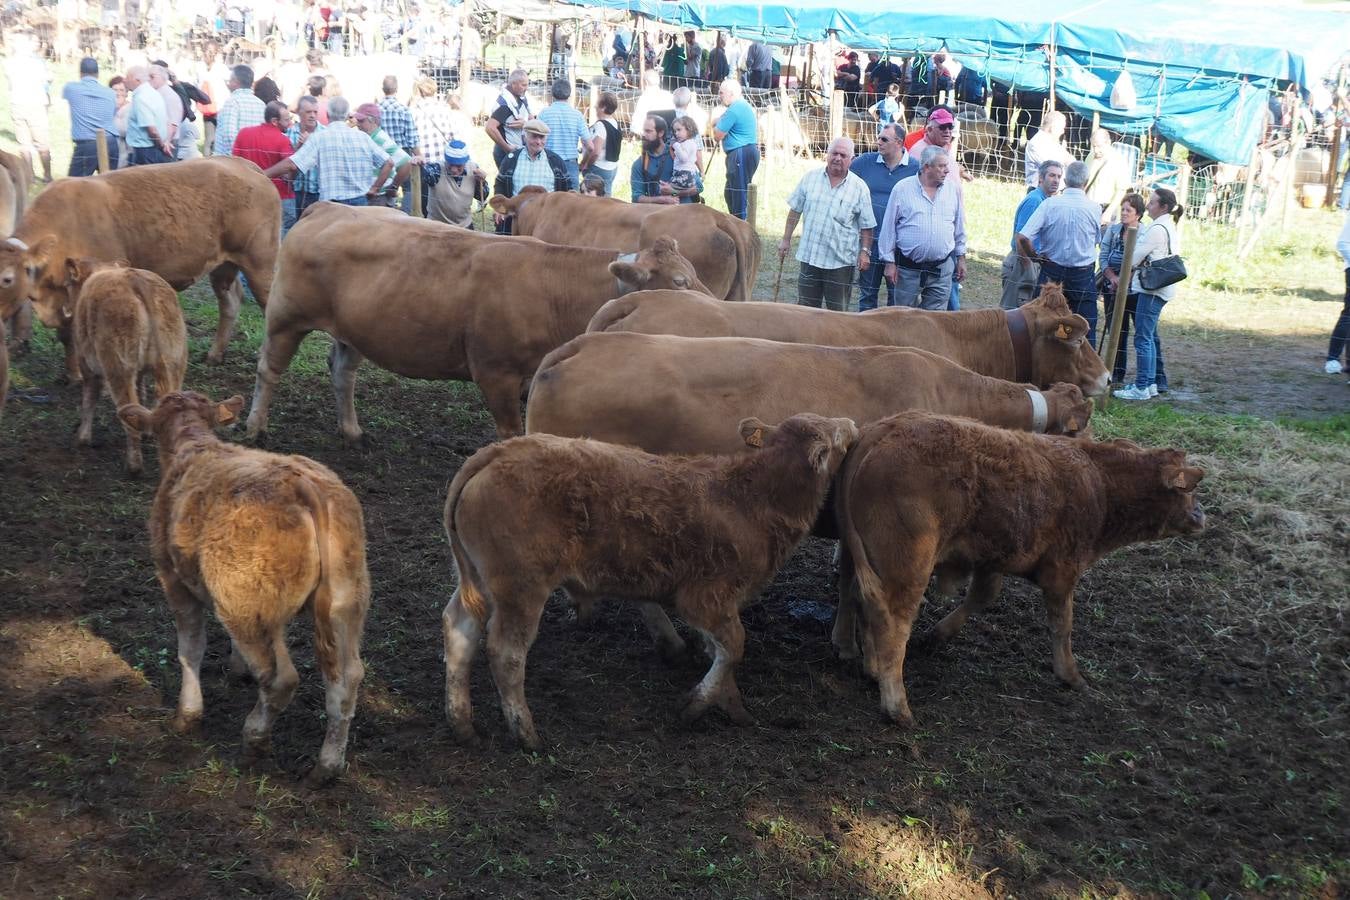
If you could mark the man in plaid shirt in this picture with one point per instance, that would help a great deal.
(344, 157)
(435, 131)
(304, 128)
(397, 122)
(837, 232)
(240, 111)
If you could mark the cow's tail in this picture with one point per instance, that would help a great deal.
(4, 369)
(325, 637)
(850, 540)
(747, 259)
(546, 376)
(471, 594)
(610, 316)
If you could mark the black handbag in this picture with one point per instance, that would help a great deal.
(1156, 274)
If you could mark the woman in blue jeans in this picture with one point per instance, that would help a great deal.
(1159, 240)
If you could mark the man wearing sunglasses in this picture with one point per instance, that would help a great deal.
(881, 172)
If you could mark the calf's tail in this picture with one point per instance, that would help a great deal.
(471, 594)
(325, 640)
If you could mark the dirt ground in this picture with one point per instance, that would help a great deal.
(1208, 757)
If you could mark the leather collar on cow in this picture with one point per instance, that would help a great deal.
(1021, 345)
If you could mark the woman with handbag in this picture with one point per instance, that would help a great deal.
(1157, 269)
(1109, 265)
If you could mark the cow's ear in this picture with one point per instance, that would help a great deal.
(753, 431)
(72, 272)
(135, 415)
(39, 256)
(666, 244)
(500, 204)
(819, 453)
(1070, 329)
(1182, 478)
(228, 411)
(629, 274)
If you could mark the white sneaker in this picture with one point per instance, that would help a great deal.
(1333, 367)
(1133, 392)
(1153, 390)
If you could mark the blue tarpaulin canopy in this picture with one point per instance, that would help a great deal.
(1201, 69)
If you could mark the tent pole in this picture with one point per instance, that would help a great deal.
(1333, 165)
(640, 47)
(810, 65)
(1050, 52)
(1296, 139)
(833, 98)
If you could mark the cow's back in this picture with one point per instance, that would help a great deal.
(178, 220)
(567, 218)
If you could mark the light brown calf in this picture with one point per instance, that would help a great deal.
(257, 537)
(920, 493)
(127, 324)
(700, 534)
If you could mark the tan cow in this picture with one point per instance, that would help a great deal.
(16, 182)
(127, 323)
(428, 300)
(669, 394)
(922, 492)
(699, 534)
(256, 537)
(180, 221)
(1042, 343)
(723, 249)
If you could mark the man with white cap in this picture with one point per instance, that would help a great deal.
(460, 184)
(533, 164)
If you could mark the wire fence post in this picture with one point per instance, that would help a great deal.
(415, 185)
(101, 146)
(1118, 310)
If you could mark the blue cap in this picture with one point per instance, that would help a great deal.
(457, 154)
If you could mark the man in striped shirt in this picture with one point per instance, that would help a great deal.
(368, 118)
(567, 130)
(344, 157)
(397, 122)
(1067, 226)
(835, 207)
(923, 235)
(240, 111)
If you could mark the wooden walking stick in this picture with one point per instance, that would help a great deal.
(778, 282)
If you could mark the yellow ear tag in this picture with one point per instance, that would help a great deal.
(756, 438)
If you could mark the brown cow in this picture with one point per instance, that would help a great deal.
(180, 221)
(723, 249)
(428, 300)
(700, 534)
(669, 394)
(1042, 343)
(921, 492)
(256, 537)
(16, 182)
(127, 323)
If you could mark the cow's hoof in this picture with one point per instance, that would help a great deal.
(254, 753)
(358, 442)
(1076, 683)
(257, 438)
(319, 777)
(530, 741)
(466, 736)
(134, 473)
(181, 724)
(215, 357)
(734, 707)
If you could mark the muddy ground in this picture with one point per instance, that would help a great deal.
(1208, 756)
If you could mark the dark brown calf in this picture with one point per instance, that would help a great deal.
(921, 492)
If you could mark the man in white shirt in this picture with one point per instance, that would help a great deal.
(654, 98)
(1046, 144)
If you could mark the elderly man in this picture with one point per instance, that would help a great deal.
(939, 131)
(241, 110)
(173, 104)
(923, 235)
(533, 164)
(881, 172)
(304, 126)
(738, 131)
(567, 131)
(1068, 228)
(835, 207)
(344, 157)
(267, 144)
(1020, 275)
(1107, 178)
(652, 99)
(92, 106)
(147, 134)
(506, 125)
(461, 183)
(367, 118)
(1047, 143)
(686, 104)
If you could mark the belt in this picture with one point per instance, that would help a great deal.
(905, 262)
(1069, 268)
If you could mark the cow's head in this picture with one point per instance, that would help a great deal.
(656, 267)
(1151, 492)
(78, 271)
(1059, 347)
(180, 415)
(513, 206)
(1069, 411)
(1175, 507)
(25, 275)
(825, 441)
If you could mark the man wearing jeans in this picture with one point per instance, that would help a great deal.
(881, 172)
(92, 106)
(737, 130)
(923, 235)
(836, 207)
(1067, 225)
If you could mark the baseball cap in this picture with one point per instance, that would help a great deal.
(368, 111)
(940, 117)
(457, 154)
